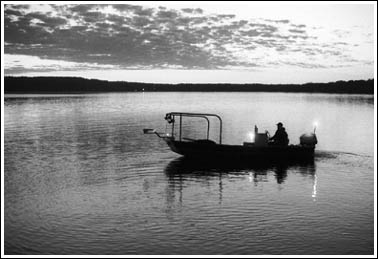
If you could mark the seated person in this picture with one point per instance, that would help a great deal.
(280, 138)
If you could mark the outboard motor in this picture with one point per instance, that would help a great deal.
(308, 140)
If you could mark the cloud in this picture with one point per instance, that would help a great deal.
(278, 21)
(35, 64)
(298, 25)
(192, 10)
(297, 31)
(129, 36)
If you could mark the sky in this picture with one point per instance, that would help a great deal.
(191, 42)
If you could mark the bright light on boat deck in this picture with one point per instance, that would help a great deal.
(251, 135)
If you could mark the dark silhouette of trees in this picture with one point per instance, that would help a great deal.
(82, 85)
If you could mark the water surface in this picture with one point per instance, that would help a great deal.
(81, 178)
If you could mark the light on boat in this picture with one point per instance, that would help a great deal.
(316, 124)
(251, 136)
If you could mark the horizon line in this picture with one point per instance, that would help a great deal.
(197, 83)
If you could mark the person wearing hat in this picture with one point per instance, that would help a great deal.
(280, 138)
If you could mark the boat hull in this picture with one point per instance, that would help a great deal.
(212, 150)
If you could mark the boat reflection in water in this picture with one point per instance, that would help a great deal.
(184, 166)
(183, 170)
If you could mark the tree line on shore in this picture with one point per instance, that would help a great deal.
(82, 85)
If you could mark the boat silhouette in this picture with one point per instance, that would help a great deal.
(251, 151)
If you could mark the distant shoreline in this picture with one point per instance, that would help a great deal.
(77, 85)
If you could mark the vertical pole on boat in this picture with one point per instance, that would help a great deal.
(173, 126)
(208, 128)
(180, 126)
(220, 130)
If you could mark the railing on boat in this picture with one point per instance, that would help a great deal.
(170, 117)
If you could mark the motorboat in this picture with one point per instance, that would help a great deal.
(206, 148)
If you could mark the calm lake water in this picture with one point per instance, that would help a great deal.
(81, 178)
